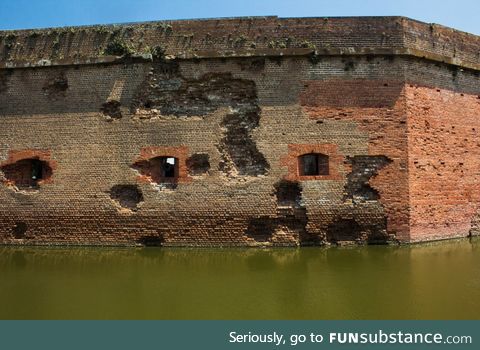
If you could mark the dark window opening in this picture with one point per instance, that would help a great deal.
(37, 170)
(313, 164)
(168, 166)
(159, 169)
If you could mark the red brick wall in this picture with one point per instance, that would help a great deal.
(250, 118)
(377, 107)
(444, 153)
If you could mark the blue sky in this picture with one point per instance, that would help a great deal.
(18, 14)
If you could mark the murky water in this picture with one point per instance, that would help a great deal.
(434, 281)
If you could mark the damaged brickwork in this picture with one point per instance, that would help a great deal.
(27, 170)
(167, 93)
(288, 226)
(239, 132)
(358, 188)
(127, 196)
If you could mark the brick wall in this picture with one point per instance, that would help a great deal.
(399, 132)
(443, 162)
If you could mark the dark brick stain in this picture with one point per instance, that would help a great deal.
(363, 169)
(239, 151)
(198, 164)
(168, 92)
(56, 87)
(19, 230)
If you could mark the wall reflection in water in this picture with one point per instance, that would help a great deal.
(439, 280)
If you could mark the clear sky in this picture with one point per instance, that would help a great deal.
(19, 14)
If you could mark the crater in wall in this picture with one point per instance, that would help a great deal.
(127, 196)
(4, 76)
(150, 240)
(27, 174)
(288, 193)
(288, 226)
(112, 109)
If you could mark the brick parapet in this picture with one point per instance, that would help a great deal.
(241, 37)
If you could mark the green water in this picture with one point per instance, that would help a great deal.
(434, 281)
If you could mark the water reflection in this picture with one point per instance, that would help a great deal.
(440, 280)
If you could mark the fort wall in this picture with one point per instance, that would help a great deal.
(387, 105)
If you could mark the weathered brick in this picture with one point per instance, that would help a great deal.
(393, 103)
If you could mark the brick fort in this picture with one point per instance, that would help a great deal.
(255, 131)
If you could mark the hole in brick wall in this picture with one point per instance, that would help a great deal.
(19, 230)
(313, 164)
(198, 164)
(27, 173)
(349, 65)
(343, 230)
(112, 109)
(288, 193)
(160, 170)
(290, 221)
(127, 196)
(151, 241)
(56, 87)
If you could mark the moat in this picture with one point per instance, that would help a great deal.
(427, 281)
